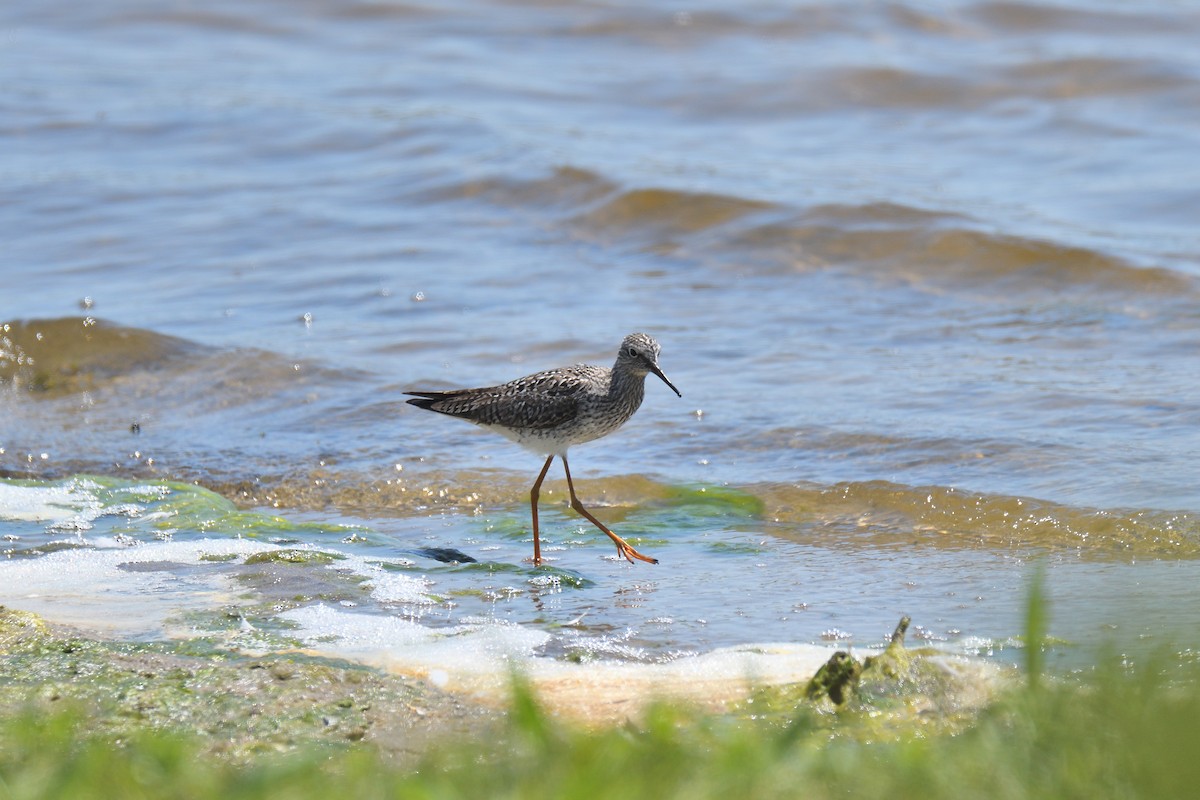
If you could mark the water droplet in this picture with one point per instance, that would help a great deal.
(418, 297)
(835, 634)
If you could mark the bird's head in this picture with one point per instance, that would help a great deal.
(639, 354)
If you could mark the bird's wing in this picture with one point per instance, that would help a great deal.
(538, 401)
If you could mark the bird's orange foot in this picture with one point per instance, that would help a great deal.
(630, 554)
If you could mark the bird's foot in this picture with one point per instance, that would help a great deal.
(630, 554)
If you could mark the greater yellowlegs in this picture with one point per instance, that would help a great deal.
(547, 412)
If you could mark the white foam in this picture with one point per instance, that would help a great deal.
(479, 659)
(386, 587)
(474, 649)
(87, 587)
(52, 505)
(72, 506)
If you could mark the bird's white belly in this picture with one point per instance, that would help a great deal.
(553, 441)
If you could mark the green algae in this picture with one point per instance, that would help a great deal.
(734, 548)
(712, 501)
(293, 556)
(219, 558)
(44, 549)
(239, 706)
(196, 509)
(476, 593)
(166, 509)
(280, 584)
(561, 577)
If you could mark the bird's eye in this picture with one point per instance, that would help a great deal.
(629, 351)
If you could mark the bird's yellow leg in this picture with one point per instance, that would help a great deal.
(622, 546)
(533, 501)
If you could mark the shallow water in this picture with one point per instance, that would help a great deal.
(926, 275)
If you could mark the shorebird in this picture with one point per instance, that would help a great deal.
(547, 412)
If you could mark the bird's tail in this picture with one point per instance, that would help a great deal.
(428, 399)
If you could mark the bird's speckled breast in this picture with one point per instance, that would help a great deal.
(598, 416)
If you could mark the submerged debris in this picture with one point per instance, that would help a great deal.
(446, 555)
(883, 694)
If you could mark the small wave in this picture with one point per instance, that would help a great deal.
(1028, 17)
(565, 188)
(592, 206)
(1044, 80)
(53, 358)
(933, 248)
(658, 213)
(922, 246)
(85, 395)
(658, 27)
(1084, 77)
(405, 492)
(883, 514)
(376, 11)
(866, 513)
(197, 18)
(72, 354)
(885, 88)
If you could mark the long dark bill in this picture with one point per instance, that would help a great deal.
(659, 373)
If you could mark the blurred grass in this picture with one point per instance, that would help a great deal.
(1116, 732)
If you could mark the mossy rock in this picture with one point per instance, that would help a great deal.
(836, 679)
(882, 695)
(293, 556)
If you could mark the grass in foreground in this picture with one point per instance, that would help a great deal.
(1116, 733)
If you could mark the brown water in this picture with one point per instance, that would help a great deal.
(927, 275)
